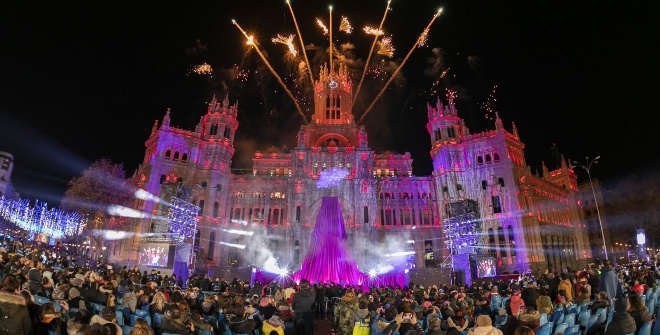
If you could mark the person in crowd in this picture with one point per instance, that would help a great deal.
(544, 303)
(623, 322)
(566, 287)
(14, 315)
(637, 310)
(141, 327)
(609, 281)
(49, 321)
(302, 304)
(524, 330)
(484, 326)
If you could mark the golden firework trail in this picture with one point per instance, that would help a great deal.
(253, 42)
(302, 44)
(398, 69)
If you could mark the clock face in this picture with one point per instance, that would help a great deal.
(332, 84)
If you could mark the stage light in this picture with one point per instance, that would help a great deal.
(400, 253)
(239, 232)
(233, 245)
(641, 237)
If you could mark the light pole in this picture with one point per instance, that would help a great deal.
(587, 168)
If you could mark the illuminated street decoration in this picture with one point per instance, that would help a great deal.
(183, 218)
(40, 219)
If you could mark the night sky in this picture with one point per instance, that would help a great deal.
(86, 80)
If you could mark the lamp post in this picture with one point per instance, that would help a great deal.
(587, 168)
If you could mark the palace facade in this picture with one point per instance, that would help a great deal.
(526, 221)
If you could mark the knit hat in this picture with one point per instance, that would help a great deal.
(484, 321)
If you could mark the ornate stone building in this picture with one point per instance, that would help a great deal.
(527, 221)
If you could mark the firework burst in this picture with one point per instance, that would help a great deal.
(488, 106)
(322, 25)
(203, 69)
(345, 25)
(385, 47)
(288, 41)
(423, 38)
(369, 30)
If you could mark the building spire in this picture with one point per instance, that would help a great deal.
(498, 121)
(515, 130)
(155, 127)
(166, 118)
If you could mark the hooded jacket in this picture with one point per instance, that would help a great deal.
(14, 316)
(622, 323)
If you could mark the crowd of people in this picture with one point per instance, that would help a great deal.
(46, 290)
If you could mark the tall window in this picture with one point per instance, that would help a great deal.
(168, 153)
(298, 214)
(209, 256)
(437, 135)
(184, 157)
(276, 216)
(176, 155)
(484, 184)
(491, 242)
(236, 214)
(451, 132)
(388, 217)
(227, 132)
(512, 242)
(497, 206)
(365, 214)
(500, 181)
(426, 216)
(406, 217)
(201, 207)
(162, 178)
(480, 160)
(216, 208)
(496, 156)
(501, 241)
(488, 160)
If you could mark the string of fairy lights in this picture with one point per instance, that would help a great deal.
(38, 218)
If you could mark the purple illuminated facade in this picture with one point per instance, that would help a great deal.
(520, 212)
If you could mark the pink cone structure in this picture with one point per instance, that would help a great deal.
(327, 260)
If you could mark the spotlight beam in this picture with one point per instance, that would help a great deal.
(398, 69)
(302, 44)
(251, 40)
(371, 51)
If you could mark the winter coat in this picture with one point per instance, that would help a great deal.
(622, 323)
(345, 315)
(515, 303)
(529, 295)
(495, 303)
(303, 301)
(14, 316)
(609, 282)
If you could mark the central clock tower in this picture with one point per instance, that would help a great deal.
(333, 97)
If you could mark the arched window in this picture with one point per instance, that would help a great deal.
(184, 157)
(512, 242)
(365, 215)
(337, 102)
(484, 184)
(216, 208)
(209, 256)
(327, 102)
(298, 213)
(176, 155)
(496, 156)
(227, 132)
(327, 114)
(500, 181)
(338, 116)
(488, 160)
(451, 132)
(163, 178)
(168, 153)
(480, 160)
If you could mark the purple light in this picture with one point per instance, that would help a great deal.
(183, 218)
(331, 177)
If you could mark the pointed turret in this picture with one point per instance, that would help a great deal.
(544, 169)
(166, 119)
(514, 129)
(225, 101)
(498, 121)
(155, 127)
